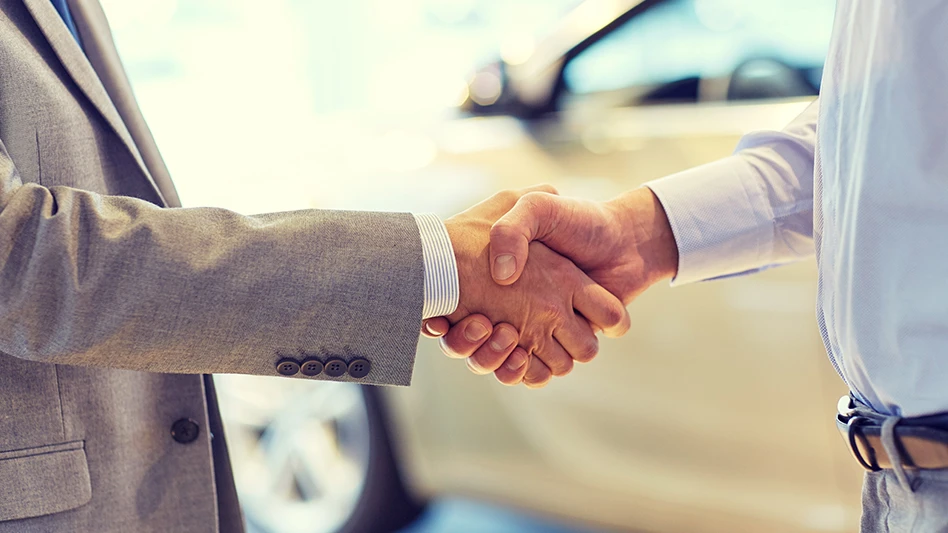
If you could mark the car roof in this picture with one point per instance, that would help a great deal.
(582, 26)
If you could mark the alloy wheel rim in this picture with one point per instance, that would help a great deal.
(299, 450)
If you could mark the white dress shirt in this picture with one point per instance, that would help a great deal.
(868, 195)
(441, 269)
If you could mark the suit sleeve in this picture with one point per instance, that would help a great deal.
(747, 212)
(118, 282)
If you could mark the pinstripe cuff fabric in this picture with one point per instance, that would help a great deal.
(441, 268)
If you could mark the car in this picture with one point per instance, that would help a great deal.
(714, 413)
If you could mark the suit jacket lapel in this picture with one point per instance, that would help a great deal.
(100, 49)
(76, 64)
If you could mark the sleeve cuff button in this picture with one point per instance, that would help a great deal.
(287, 367)
(335, 368)
(359, 368)
(311, 367)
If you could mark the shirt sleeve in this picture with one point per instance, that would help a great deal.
(441, 269)
(749, 211)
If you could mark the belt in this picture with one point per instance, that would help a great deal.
(922, 442)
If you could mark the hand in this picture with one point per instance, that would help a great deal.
(555, 306)
(625, 245)
(486, 348)
(483, 348)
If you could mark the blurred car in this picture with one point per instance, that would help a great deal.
(713, 414)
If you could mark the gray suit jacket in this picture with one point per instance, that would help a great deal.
(113, 302)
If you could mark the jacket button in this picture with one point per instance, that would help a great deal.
(335, 368)
(287, 367)
(185, 431)
(311, 367)
(359, 368)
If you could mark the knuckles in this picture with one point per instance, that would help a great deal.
(507, 196)
(536, 383)
(588, 351)
(501, 230)
(537, 373)
(559, 362)
(614, 314)
(553, 312)
(545, 187)
(536, 202)
(563, 367)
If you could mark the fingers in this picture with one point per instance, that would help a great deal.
(555, 357)
(496, 353)
(602, 309)
(578, 338)
(492, 354)
(465, 337)
(538, 374)
(514, 368)
(435, 327)
(533, 216)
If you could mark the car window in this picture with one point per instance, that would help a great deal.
(682, 40)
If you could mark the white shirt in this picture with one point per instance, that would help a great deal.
(868, 195)
(441, 269)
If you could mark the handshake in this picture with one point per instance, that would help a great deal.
(540, 275)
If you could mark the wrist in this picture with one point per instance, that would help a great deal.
(467, 260)
(646, 232)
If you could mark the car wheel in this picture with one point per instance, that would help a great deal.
(312, 457)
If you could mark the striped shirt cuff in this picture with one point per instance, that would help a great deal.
(441, 268)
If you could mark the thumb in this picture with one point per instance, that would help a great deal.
(531, 218)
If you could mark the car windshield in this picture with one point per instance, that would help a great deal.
(679, 39)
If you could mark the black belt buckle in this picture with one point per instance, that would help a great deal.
(848, 415)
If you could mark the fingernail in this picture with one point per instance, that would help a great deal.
(430, 331)
(515, 362)
(502, 340)
(504, 266)
(474, 367)
(475, 331)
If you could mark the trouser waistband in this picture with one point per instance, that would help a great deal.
(880, 441)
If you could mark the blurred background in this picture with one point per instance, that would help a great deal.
(431, 106)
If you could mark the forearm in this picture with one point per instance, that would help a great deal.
(117, 282)
(746, 212)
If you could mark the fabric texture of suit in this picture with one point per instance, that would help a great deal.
(114, 301)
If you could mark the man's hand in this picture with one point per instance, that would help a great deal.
(555, 306)
(486, 347)
(625, 245)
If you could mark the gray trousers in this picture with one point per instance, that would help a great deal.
(888, 505)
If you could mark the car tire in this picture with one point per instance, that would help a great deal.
(385, 504)
(313, 457)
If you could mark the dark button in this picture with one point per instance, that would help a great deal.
(185, 431)
(288, 367)
(335, 368)
(311, 367)
(359, 368)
